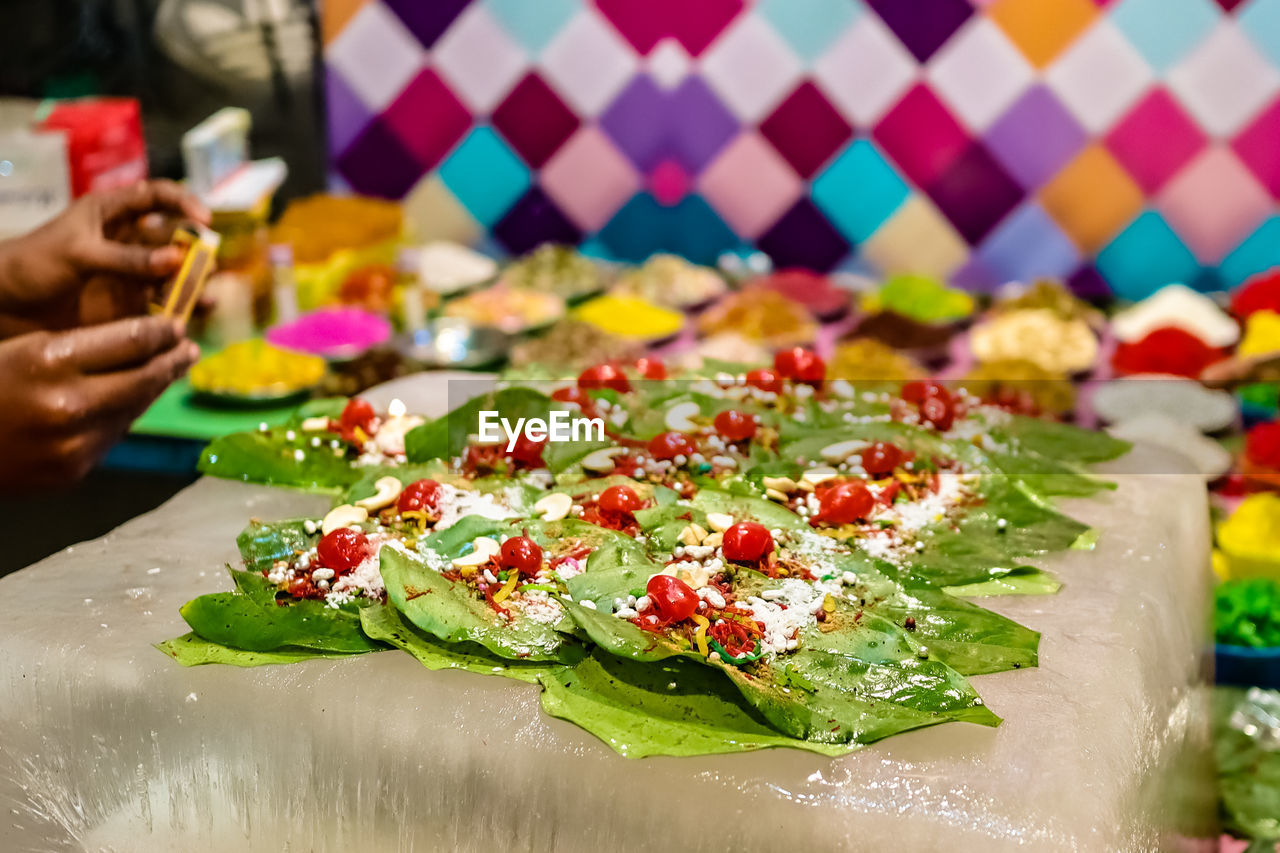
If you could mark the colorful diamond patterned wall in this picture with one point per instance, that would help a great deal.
(1120, 144)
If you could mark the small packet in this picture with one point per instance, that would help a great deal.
(183, 290)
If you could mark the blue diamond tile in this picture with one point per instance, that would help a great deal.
(1259, 252)
(1260, 20)
(644, 226)
(1029, 245)
(859, 191)
(485, 175)
(1145, 257)
(1164, 31)
(810, 26)
(533, 23)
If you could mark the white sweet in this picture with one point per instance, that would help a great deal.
(1181, 399)
(1180, 306)
(1209, 457)
(449, 267)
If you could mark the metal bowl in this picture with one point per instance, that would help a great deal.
(450, 342)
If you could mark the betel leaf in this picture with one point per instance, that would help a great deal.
(273, 459)
(671, 708)
(969, 639)
(1063, 442)
(263, 543)
(618, 636)
(1048, 477)
(390, 626)
(451, 611)
(256, 623)
(1024, 581)
(192, 650)
(446, 436)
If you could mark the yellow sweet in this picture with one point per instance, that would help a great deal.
(256, 368)
(1250, 538)
(628, 317)
(1261, 334)
(1037, 335)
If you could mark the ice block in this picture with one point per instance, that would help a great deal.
(107, 744)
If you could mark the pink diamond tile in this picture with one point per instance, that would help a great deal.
(427, 118)
(669, 183)
(1214, 203)
(589, 178)
(805, 129)
(534, 120)
(694, 25)
(1258, 146)
(1155, 140)
(921, 136)
(750, 185)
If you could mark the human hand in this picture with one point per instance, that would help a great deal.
(66, 397)
(112, 245)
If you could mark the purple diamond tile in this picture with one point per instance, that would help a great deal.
(974, 192)
(697, 123)
(346, 114)
(428, 118)
(1088, 283)
(1035, 138)
(975, 276)
(427, 19)
(923, 25)
(377, 163)
(635, 122)
(803, 237)
(533, 220)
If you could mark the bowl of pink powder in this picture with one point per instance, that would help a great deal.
(337, 334)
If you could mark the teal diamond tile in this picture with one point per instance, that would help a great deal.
(1145, 257)
(859, 191)
(810, 26)
(485, 175)
(533, 23)
(1259, 252)
(1164, 31)
(1260, 20)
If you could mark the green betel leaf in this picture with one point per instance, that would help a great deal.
(273, 459)
(671, 708)
(191, 650)
(1024, 581)
(1049, 477)
(389, 625)
(1063, 442)
(967, 638)
(262, 544)
(446, 436)
(620, 637)
(451, 611)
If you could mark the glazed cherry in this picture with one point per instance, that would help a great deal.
(651, 368)
(765, 380)
(881, 458)
(528, 452)
(845, 503)
(621, 500)
(358, 413)
(343, 549)
(1262, 445)
(734, 425)
(919, 390)
(521, 554)
(419, 495)
(669, 445)
(938, 413)
(672, 598)
(572, 394)
(747, 542)
(800, 365)
(604, 376)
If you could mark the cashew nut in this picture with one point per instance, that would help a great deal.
(677, 417)
(720, 521)
(483, 549)
(601, 460)
(820, 474)
(315, 425)
(714, 540)
(782, 484)
(554, 507)
(841, 450)
(387, 489)
(343, 516)
(775, 495)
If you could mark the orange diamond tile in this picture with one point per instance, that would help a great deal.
(335, 14)
(1092, 198)
(1042, 28)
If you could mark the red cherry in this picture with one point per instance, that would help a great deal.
(419, 495)
(358, 413)
(604, 376)
(651, 368)
(621, 500)
(521, 554)
(919, 390)
(343, 550)
(1262, 445)
(845, 503)
(881, 458)
(938, 413)
(747, 542)
(765, 380)
(669, 445)
(528, 452)
(800, 365)
(735, 425)
(572, 394)
(674, 599)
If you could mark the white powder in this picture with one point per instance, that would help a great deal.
(456, 504)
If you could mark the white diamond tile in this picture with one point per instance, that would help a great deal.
(1225, 81)
(979, 73)
(751, 68)
(588, 63)
(376, 55)
(479, 59)
(865, 71)
(1099, 77)
(668, 63)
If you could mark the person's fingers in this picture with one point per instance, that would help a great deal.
(130, 259)
(124, 395)
(155, 229)
(148, 196)
(113, 346)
